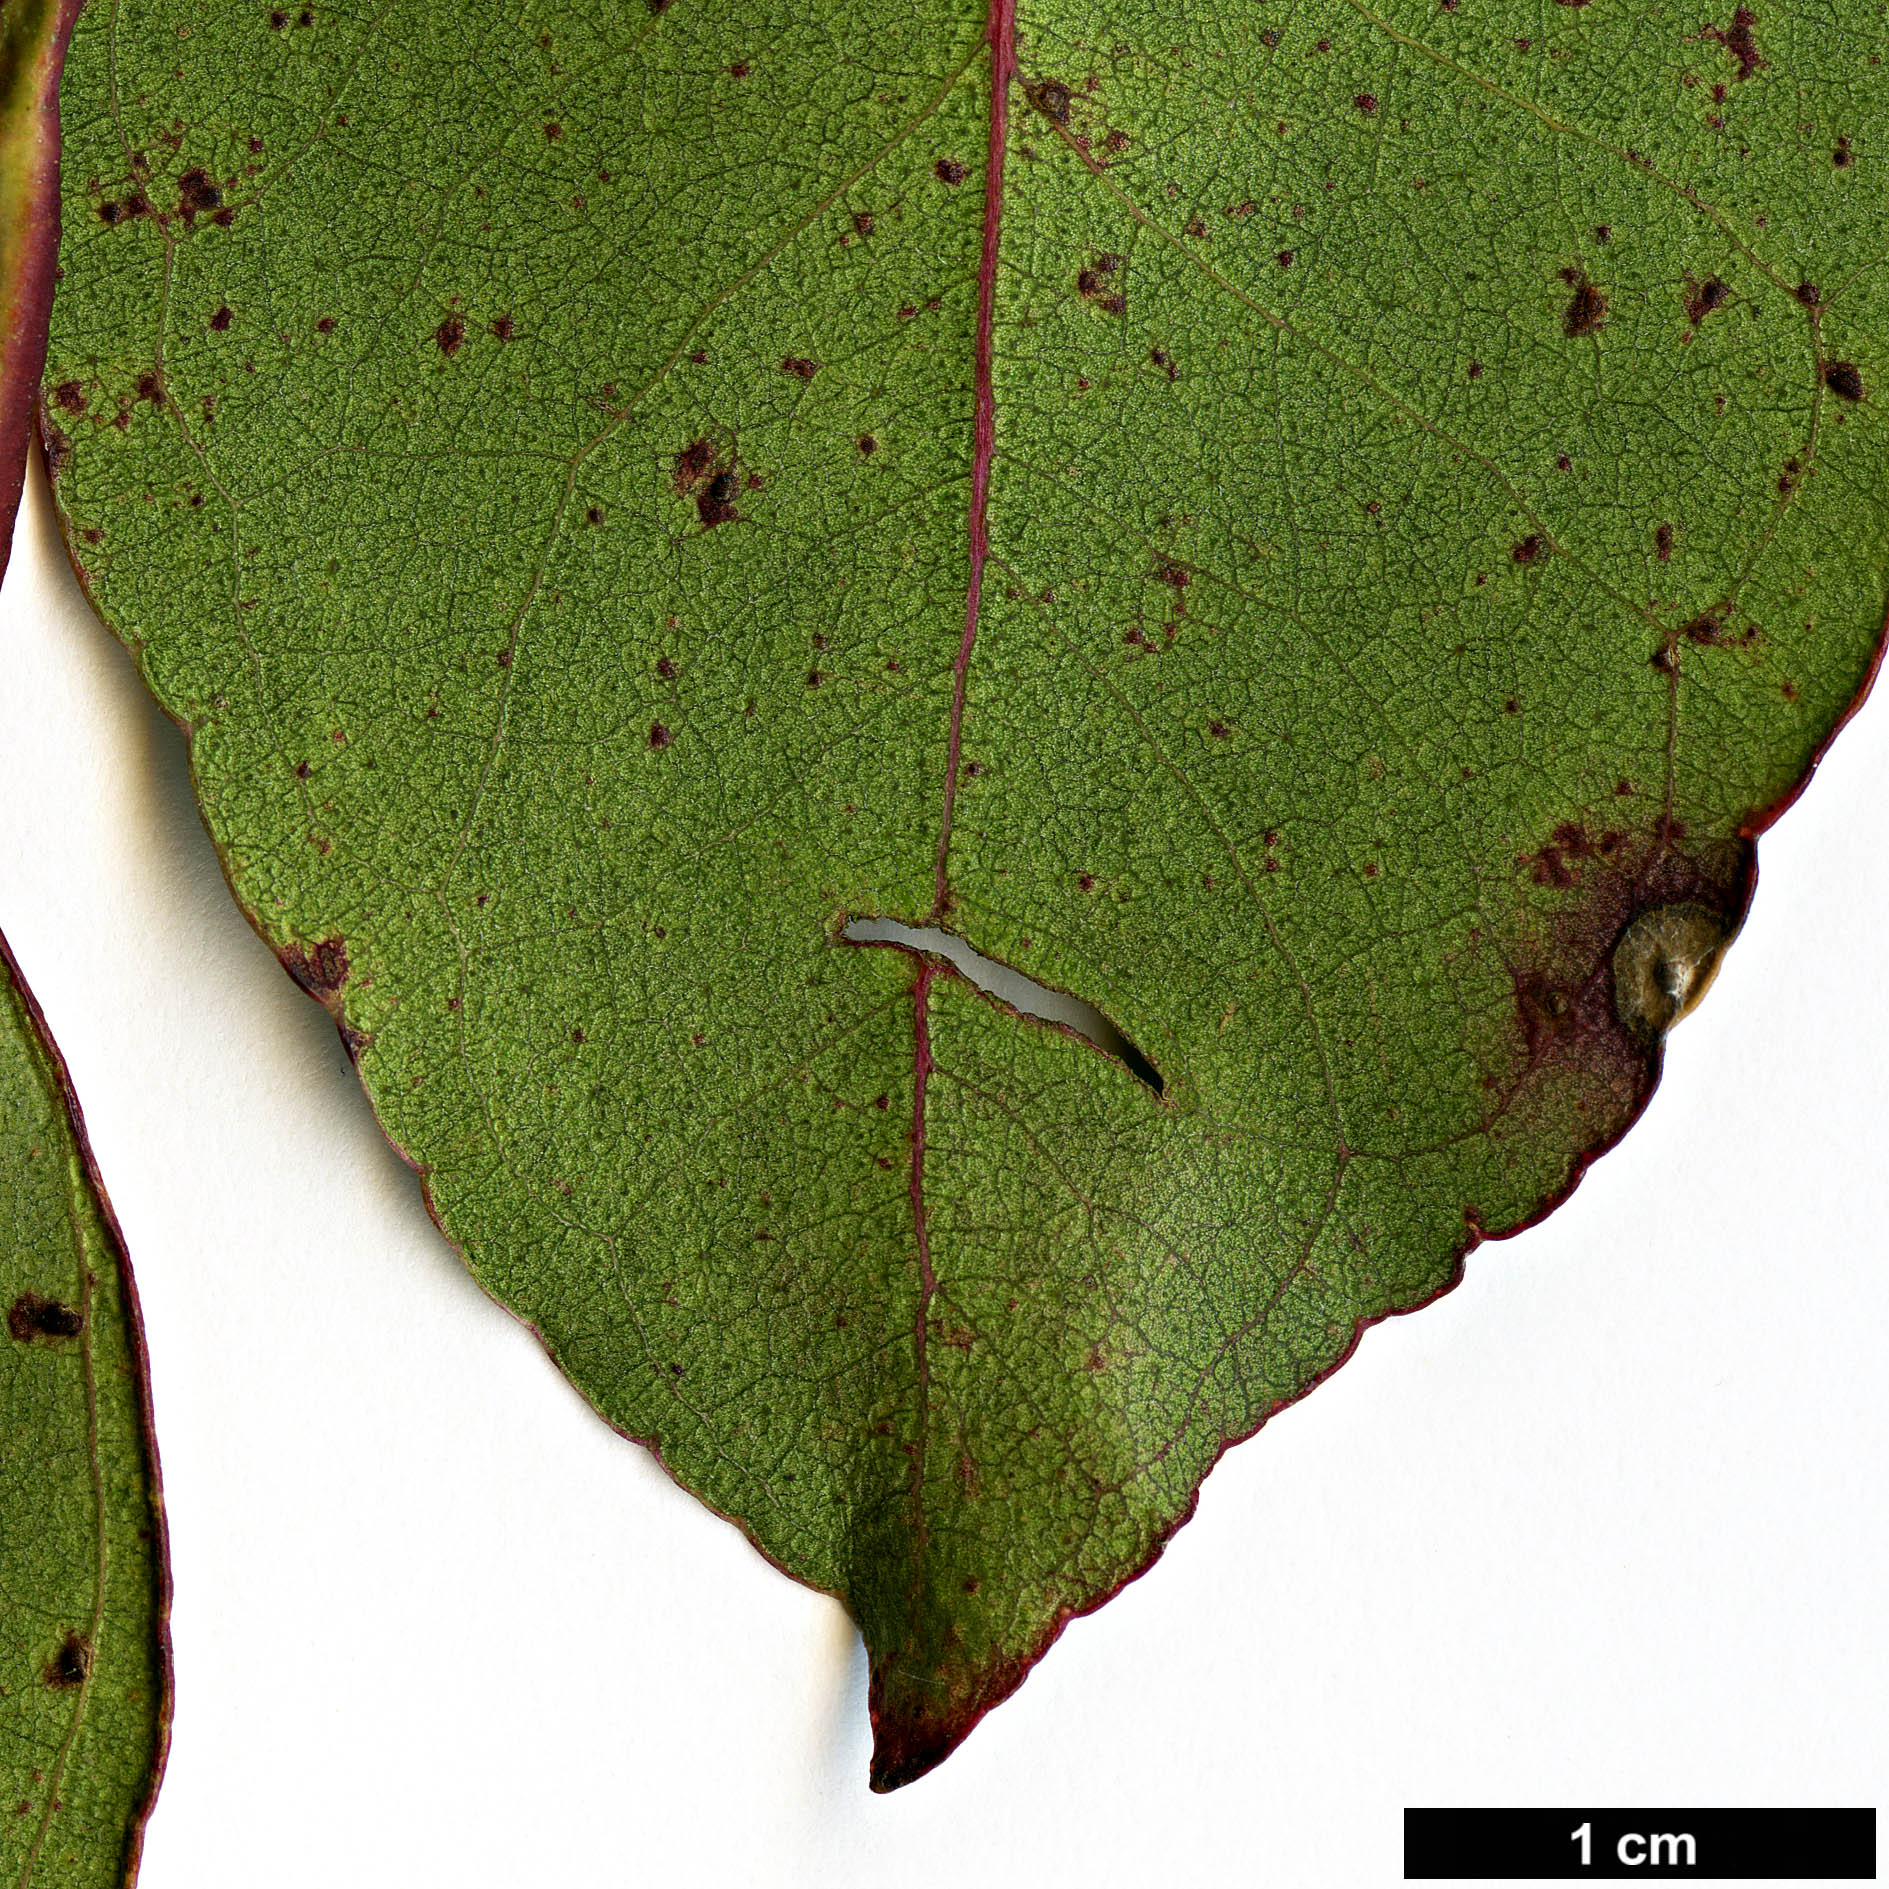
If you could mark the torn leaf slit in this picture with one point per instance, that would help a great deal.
(1006, 985)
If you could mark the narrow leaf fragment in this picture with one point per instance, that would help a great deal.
(85, 1688)
(84, 1648)
(1305, 526)
(33, 36)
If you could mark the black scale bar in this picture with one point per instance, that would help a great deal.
(1576, 1845)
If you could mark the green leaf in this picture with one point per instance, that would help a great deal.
(33, 36)
(84, 1645)
(84, 1649)
(1322, 531)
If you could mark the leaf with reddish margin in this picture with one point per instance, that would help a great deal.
(85, 1673)
(1319, 531)
(85, 1666)
(33, 35)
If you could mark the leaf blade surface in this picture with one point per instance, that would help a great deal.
(1314, 535)
(84, 1647)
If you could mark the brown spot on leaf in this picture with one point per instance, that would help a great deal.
(949, 171)
(1740, 40)
(197, 194)
(1531, 550)
(325, 325)
(450, 334)
(1586, 312)
(69, 394)
(714, 485)
(1092, 284)
(34, 1319)
(70, 1666)
(799, 367)
(659, 736)
(322, 969)
(1663, 542)
(715, 504)
(693, 463)
(221, 319)
(1706, 296)
(1843, 380)
(1708, 626)
(1366, 102)
(1809, 294)
(1051, 98)
(867, 444)
(502, 328)
(1560, 862)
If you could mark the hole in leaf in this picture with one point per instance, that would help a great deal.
(1010, 986)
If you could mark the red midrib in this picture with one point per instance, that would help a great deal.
(1001, 35)
(1003, 65)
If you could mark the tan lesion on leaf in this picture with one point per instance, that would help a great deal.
(1665, 963)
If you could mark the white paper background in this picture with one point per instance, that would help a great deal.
(1604, 1525)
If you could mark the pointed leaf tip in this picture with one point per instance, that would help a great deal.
(905, 1752)
(915, 1728)
(920, 1717)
